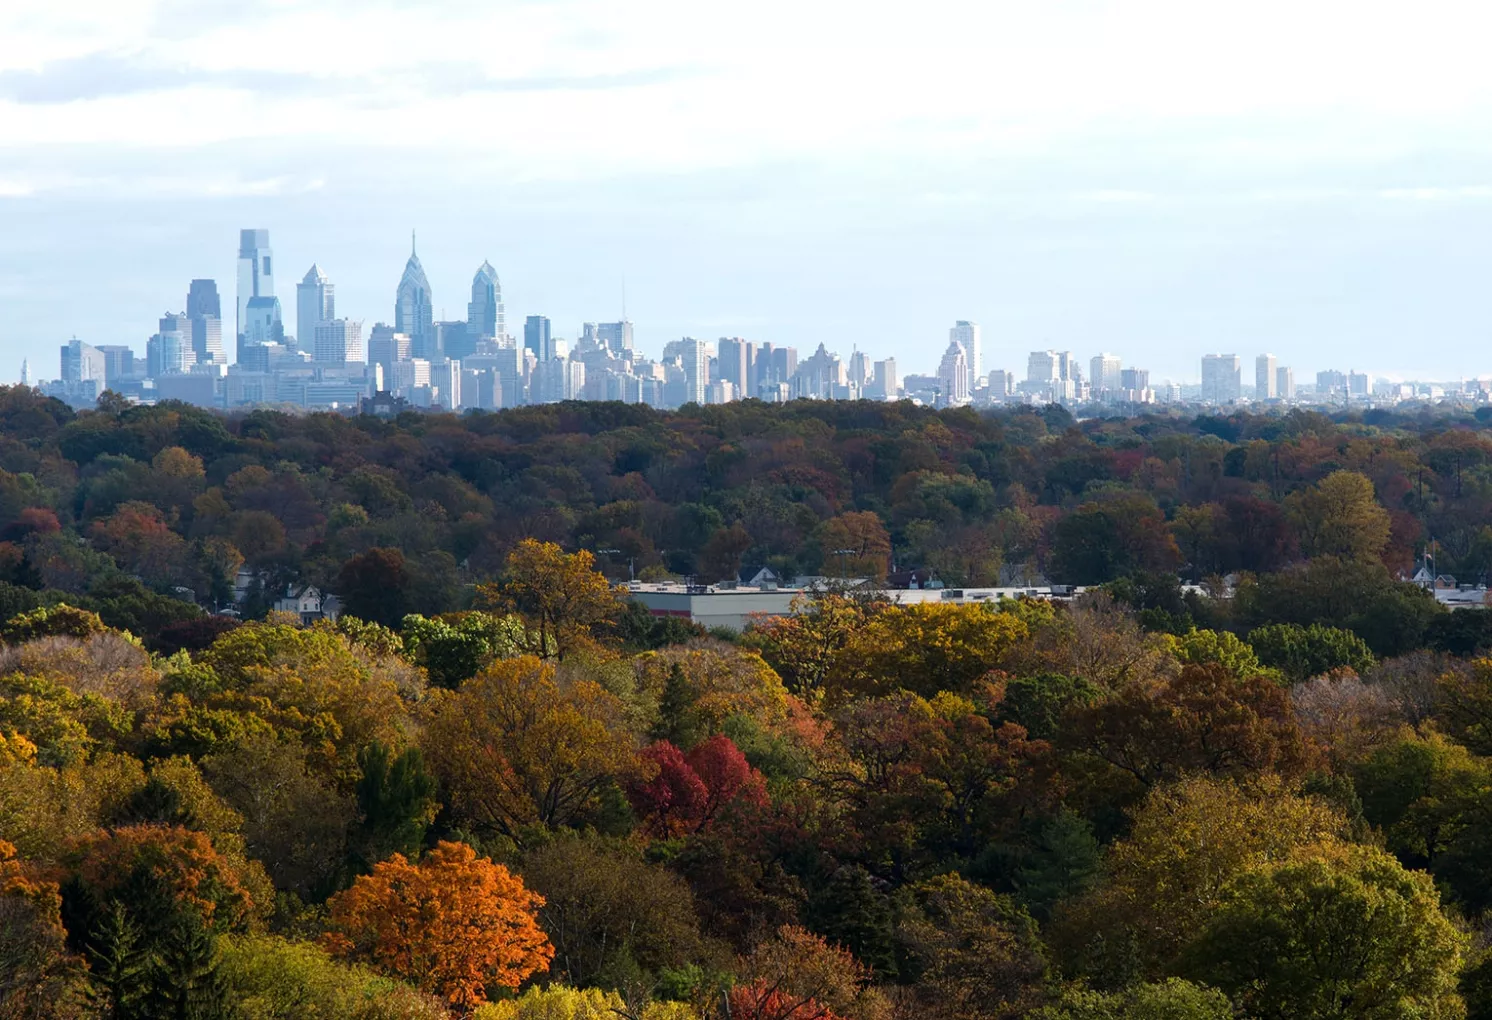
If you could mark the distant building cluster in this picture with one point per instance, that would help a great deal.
(416, 361)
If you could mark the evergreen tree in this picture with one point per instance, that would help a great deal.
(396, 796)
(1063, 863)
(850, 911)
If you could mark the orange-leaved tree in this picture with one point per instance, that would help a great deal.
(453, 924)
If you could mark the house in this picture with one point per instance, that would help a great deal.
(307, 602)
(912, 580)
(758, 577)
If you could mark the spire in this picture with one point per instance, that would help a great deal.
(412, 251)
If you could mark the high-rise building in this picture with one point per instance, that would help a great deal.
(953, 376)
(615, 336)
(1331, 383)
(202, 299)
(82, 362)
(386, 347)
(338, 342)
(315, 303)
(485, 319)
(537, 338)
(967, 333)
(256, 280)
(119, 362)
(207, 340)
(1044, 368)
(734, 362)
(1222, 378)
(170, 352)
(414, 309)
(1001, 384)
(1266, 383)
(1103, 373)
(1359, 385)
(1284, 383)
(25, 372)
(859, 369)
(885, 385)
(696, 358)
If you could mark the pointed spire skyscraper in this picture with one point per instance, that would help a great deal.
(484, 315)
(414, 309)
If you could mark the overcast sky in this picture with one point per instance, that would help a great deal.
(1155, 178)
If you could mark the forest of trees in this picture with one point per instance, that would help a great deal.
(496, 789)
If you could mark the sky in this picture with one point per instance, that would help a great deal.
(1158, 179)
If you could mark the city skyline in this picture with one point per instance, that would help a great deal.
(903, 173)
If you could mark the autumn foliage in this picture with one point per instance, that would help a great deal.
(453, 924)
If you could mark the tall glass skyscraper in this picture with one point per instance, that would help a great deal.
(414, 314)
(256, 279)
(536, 337)
(315, 303)
(484, 315)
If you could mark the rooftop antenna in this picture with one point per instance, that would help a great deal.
(411, 243)
(624, 297)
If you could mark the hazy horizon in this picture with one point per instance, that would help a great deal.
(1148, 179)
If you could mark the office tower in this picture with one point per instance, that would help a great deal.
(386, 347)
(1103, 373)
(170, 352)
(338, 342)
(202, 299)
(119, 362)
(1284, 382)
(967, 334)
(315, 303)
(734, 363)
(1359, 385)
(1266, 384)
(454, 339)
(953, 376)
(262, 324)
(1043, 368)
(695, 355)
(885, 384)
(1331, 383)
(256, 281)
(445, 380)
(414, 309)
(536, 337)
(1222, 378)
(81, 362)
(1001, 384)
(615, 336)
(784, 364)
(207, 340)
(859, 370)
(484, 314)
(1134, 380)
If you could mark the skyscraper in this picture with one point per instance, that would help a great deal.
(1222, 378)
(315, 303)
(696, 357)
(204, 310)
(81, 362)
(616, 336)
(953, 375)
(536, 337)
(338, 342)
(256, 279)
(734, 362)
(1284, 382)
(484, 315)
(1266, 382)
(202, 299)
(1103, 373)
(387, 347)
(414, 310)
(967, 333)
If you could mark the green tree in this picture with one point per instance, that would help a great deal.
(374, 586)
(1172, 999)
(1341, 935)
(396, 803)
(561, 596)
(1303, 652)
